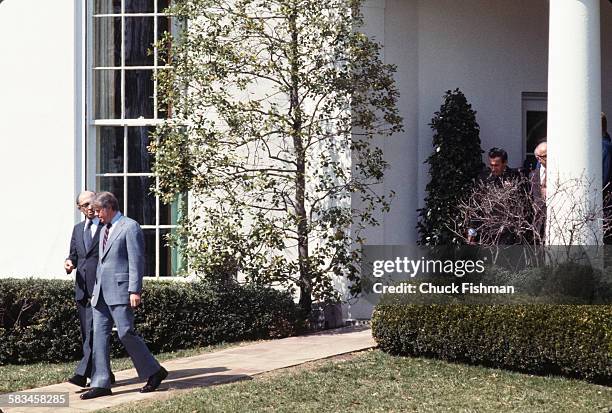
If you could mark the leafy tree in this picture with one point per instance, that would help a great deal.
(454, 166)
(273, 107)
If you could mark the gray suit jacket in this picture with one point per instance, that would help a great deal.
(121, 265)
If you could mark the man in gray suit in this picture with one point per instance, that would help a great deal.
(116, 292)
(84, 257)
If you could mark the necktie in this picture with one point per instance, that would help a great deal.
(87, 240)
(106, 231)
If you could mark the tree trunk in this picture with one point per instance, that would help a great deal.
(305, 281)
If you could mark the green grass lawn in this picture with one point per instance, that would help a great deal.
(376, 382)
(21, 377)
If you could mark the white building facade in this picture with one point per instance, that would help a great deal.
(77, 100)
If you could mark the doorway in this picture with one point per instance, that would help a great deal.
(534, 114)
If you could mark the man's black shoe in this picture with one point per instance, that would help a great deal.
(96, 392)
(154, 381)
(78, 380)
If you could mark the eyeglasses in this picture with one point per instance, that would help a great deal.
(541, 156)
(83, 205)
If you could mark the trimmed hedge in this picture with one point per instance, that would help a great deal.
(39, 322)
(542, 339)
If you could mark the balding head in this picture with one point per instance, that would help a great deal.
(540, 152)
(85, 203)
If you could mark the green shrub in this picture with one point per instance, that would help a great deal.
(454, 165)
(542, 339)
(39, 322)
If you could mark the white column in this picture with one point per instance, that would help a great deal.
(574, 126)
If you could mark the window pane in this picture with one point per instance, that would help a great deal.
(166, 213)
(107, 41)
(112, 184)
(141, 202)
(163, 109)
(109, 150)
(107, 92)
(139, 6)
(149, 238)
(138, 94)
(139, 158)
(107, 6)
(170, 214)
(162, 5)
(163, 26)
(138, 39)
(170, 259)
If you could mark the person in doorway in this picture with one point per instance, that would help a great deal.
(499, 171)
(538, 191)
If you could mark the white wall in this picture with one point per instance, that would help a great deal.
(394, 23)
(39, 159)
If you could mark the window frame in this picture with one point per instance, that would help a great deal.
(91, 125)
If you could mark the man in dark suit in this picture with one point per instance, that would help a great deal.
(116, 293)
(84, 257)
(538, 192)
(497, 175)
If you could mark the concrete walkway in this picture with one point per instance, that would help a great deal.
(217, 367)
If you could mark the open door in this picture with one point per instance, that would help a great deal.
(534, 124)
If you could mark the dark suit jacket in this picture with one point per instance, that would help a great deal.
(86, 262)
(539, 202)
(536, 187)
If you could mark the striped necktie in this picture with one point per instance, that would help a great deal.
(106, 231)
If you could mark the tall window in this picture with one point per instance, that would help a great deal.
(123, 110)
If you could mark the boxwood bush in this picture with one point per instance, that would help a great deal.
(543, 339)
(39, 322)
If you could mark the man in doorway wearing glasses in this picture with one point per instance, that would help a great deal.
(84, 253)
(538, 189)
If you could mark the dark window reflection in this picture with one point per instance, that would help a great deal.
(149, 238)
(169, 214)
(107, 41)
(166, 213)
(107, 92)
(138, 40)
(139, 158)
(536, 132)
(139, 6)
(107, 6)
(166, 258)
(138, 94)
(110, 149)
(162, 5)
(141, 202)
(112, 184)
(163, 26)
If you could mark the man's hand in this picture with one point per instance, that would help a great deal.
(134, 300)
(68, 266)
